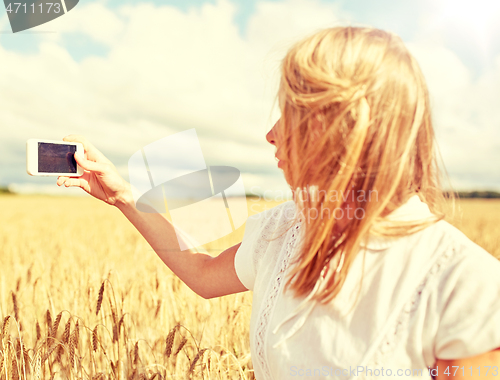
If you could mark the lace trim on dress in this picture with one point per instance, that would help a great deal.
(269, 304)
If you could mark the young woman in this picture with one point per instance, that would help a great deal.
(359, 276)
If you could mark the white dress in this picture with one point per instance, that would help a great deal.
(431, 295)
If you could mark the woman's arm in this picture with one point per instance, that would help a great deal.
(207, 276)
(483, 366)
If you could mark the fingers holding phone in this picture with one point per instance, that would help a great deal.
(77, 163)
(91, 152)
(100, 178)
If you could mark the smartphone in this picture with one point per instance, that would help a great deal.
(53, 158)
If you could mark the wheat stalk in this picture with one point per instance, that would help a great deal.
(158, 307)
(170, 341)
(66, 333)
(5, 326)
(120, 324)
(38, 366)
(14, 373)
(100, 298)
(28, 275)
(48, 318)
(95, 339)
(50, 352)
(23, 353)
(136, 353)
(16, 307)
(72, 346)
(181, 344)
(65, 339)
(133, 375)
(56, 325)
(115, 322)
(38, 331)
(196, 358)
(76, 333)
(114, 367)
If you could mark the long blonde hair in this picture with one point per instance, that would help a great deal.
(376, 137)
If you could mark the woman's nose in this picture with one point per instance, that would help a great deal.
(270, 137)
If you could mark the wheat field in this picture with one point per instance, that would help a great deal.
(83, 296)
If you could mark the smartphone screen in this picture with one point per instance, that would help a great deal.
(56, 158)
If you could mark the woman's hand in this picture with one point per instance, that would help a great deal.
(100, 178)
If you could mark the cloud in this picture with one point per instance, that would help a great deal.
(93, 19)
(466, 116)
(165, 71)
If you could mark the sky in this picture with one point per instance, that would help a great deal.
(127, 73)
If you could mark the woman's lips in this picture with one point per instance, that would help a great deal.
(280, 162)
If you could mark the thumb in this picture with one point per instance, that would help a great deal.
(88, 165)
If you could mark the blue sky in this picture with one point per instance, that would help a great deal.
(126, 73)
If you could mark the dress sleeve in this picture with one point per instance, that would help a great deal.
(244, 258)
(469, 305)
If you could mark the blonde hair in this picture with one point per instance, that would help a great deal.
(369, 96)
